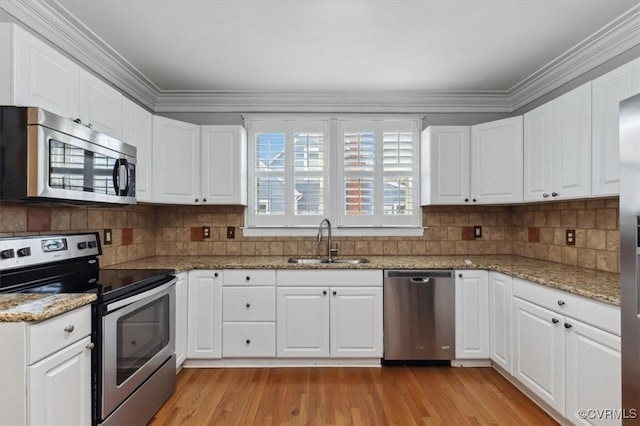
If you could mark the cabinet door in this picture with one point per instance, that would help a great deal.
(204, 316)
(608, 91)
(472, 314)
(594, 378)
(356, 322)
(500, 299)
(302, 322)
(176, 161)
(572, 144)
(496, 161)
(539, 351)
(60, 387)
(444, 166)
(224, 165)
(137, 130)
(538, 155)
(44, 77)
(100, 105)
(182, 303)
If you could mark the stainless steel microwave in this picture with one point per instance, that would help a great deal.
(45, 157)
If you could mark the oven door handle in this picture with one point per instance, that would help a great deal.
(133, 299)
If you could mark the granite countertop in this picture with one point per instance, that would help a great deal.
(601, 286)
(18, 307)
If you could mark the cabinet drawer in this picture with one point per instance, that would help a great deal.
(49, 336)
(330, 278)
(593, 312)
(250, 277)
(248, 340)
(249, 304)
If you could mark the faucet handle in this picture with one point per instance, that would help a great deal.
(334, 250)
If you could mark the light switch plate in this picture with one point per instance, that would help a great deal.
(571, 237)
(107, 237)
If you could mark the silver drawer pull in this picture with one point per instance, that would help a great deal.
(69, 328)
(90, 346)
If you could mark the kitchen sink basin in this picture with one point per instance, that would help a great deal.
(316, 260)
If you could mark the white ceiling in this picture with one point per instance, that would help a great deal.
(312, 46)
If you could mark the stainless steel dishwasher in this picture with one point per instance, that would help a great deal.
(419, 315)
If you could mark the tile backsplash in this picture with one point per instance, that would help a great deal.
(132, 227)
(530, 230)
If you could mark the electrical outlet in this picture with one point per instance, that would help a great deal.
(477, 232)
(107, 237)
(571, 237)
(231, 232)
(206, 232)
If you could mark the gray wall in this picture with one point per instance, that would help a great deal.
(453, 119)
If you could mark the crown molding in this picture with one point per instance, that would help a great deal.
(55, 24)
(618, 36)
(367, 102)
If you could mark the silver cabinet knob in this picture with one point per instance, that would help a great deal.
(545, 195)
(248, 341)
(90, 346)
(69, 328)
(560, 302)
(248, 305)
(460, 275)
(567, 325)
(204, 200)
(197, 200)
(555, 320)
(554, 194)
(90, 126)
(247, 278)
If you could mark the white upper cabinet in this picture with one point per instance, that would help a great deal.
(137, 130)
(32, 73)
(176, 161)
(224, 165)
(100, 105)
(496, 161)
(557, 144)
(444, 168)
(608, 91)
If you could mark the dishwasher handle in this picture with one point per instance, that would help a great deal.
(420, 280)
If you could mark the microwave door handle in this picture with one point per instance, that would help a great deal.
(116, 177)
(124, 175)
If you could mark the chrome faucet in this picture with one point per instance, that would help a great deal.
(330, 250)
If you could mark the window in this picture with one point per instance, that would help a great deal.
(358, 172)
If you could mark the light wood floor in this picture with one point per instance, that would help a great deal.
(347, 396)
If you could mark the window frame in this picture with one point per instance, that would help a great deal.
(306, 225)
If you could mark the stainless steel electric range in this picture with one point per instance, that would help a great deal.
(133, 319)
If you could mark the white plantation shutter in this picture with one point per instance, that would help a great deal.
(367, 179)
(377, 173)
(287, 178)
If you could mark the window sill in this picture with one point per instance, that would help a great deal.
(336, 232)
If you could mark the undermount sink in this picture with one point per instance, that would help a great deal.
(316, 261)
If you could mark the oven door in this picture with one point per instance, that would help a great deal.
(70, 168)
(138, 337)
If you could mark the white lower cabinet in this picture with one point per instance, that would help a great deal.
(249, 314)
(204, 339)
(303, 322)
(340, 321)
(45, 370)
(539, 352)
(356, 322)
(182, 308)
(569, 364)
(59, 387)
(472, 314)
(593, 372)
(500, 300)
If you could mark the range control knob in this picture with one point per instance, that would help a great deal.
(7, 254)
(82, 245)
(24, 252)
(93, 244)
